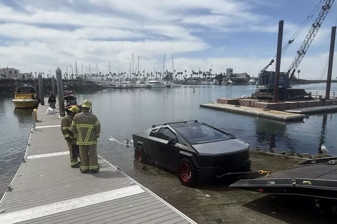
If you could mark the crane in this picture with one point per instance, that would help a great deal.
(266, 78)
(310, 37)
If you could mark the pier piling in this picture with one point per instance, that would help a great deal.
(331, 54)
(60, 91)
(53, 85)
(41, 89)
(278, 61)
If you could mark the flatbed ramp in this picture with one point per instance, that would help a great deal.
(46, 189)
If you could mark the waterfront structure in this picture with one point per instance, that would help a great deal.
(13, 73)
(236, 78)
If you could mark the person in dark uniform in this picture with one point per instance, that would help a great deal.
(52, 100)
(70, 137)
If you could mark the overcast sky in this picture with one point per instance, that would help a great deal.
(41, 35)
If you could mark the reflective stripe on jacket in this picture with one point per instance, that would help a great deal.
(67, 129)
(86, 128)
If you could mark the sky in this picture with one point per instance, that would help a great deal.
(41, 35)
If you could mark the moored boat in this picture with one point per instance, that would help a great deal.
(155, 84)
(252, 81)
(25, 97)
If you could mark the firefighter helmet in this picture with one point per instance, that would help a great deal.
(74, 109)
(86, 104)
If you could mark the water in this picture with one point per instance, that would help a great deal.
(123, 112)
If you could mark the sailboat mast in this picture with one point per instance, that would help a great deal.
(76, 69)
(138, 66)
(97, 69)
(163, 66)
(133, 64)
(172, 68)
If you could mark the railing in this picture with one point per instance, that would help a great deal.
(321, 94)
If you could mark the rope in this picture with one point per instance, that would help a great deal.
(305, 22)
(299, 30)
(112, 139)
(324, 70)
(264, 172)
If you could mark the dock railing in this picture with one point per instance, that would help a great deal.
(321, 94)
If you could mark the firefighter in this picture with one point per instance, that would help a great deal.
(70, 137)
(87, 128)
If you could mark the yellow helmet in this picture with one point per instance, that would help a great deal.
(74, 109)
(86, 104)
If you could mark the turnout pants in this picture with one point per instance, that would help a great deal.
(74, 153)
(89, 161)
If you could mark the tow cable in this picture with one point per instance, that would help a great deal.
(126, 142)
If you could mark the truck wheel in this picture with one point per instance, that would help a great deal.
(139, 154)
(187, 173)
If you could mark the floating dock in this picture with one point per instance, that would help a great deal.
(258, 112)
(314, 110)
(283, 111)
(46, 189)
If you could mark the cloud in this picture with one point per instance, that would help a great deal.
(41, 35)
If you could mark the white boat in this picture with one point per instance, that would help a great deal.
(156, 84)
(252, 81)
(167, 84)
(173, 85)
(228, 82)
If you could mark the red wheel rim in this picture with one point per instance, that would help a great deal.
(138, 155)
(185, 172)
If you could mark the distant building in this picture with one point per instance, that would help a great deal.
(12, 73)
(236, 78)
(229, 73)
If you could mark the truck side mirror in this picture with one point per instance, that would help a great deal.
(172, 141)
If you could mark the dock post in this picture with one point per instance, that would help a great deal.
(60, 91)
(33, 118)
(278, 61)
(41, 89)
(332, 49)
(53, 85)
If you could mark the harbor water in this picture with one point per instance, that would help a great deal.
(124, 112)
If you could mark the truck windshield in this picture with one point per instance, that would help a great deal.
(197, 133)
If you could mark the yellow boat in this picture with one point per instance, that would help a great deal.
(25, 97)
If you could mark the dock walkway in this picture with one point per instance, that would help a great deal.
(314, 110)
(46, 189)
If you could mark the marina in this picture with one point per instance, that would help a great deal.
(111, 106)
(194, 117)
